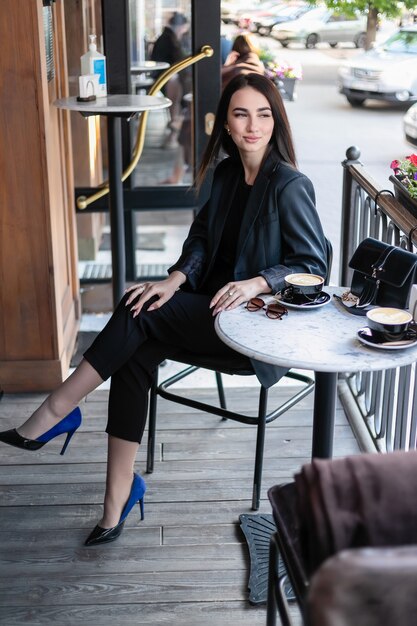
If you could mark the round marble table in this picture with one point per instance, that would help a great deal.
(322, 339)
(115, 107)
(148, 66)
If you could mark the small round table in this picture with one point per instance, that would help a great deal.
(148, 66)
(115, 107)
(322, 339)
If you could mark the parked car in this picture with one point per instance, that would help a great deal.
(386, 72)
(263, 24)
(229, 10)
(246, 17)
(321, 25)
(410, 125)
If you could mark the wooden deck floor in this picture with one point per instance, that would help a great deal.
(186, 564)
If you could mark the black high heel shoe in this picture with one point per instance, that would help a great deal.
(105, 535)
(68, 425)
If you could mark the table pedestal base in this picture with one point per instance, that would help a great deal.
(117, 226)
(324, 414)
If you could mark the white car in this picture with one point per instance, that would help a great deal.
(387, 72)
(410, 125)
(265, 23)
(321, 25)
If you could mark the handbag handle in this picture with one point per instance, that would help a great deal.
(371, 286)
(378, 267)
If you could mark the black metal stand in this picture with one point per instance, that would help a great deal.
(118, 257)
(324, 414)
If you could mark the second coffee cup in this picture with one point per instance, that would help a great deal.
(390, 323)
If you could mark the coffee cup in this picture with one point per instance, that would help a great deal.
(390, 323)
(300, 287)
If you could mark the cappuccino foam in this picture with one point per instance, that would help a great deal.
(388, 315)
(304, 279)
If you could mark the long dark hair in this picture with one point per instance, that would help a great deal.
(281, 141)
(243, 44)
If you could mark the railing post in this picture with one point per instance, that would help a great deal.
(352, 156)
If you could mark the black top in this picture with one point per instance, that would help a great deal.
(222, 270)
(167, 47)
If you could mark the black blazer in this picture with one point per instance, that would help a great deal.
(280, 233)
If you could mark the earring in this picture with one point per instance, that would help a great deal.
(227, 129)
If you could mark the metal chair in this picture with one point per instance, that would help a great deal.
(285, 543)
(362, 575)
(240, 366)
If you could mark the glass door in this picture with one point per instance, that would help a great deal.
(161, 35)
(135, 33)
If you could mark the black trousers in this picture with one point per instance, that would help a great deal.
(130, 349)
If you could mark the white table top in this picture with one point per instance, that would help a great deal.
(148, 66)
(322, 339)
(117, 104)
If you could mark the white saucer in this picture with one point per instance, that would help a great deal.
(366, 336)
(303, 307)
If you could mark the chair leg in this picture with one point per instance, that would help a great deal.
(271, 603)
(220, 391)
(276, 600)
(260, 442)
(152, 425)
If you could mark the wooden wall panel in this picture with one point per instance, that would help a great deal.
(39, 298)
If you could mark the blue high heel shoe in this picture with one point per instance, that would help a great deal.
(68, 425)
(104, 535)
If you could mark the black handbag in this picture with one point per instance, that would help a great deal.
(383, 276)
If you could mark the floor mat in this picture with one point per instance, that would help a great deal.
(84, 340)
(97, 272)
(258, 530)
(144, 241)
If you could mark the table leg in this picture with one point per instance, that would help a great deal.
(324, 414)
(114, 137)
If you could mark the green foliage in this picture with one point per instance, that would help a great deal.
(388, 8)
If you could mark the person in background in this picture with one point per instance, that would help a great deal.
(242, 59)
(225, 48)
(168, 47)
(258, 225)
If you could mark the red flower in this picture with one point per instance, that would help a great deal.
(395, 165)
(413, 159)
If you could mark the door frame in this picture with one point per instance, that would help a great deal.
(205, 24)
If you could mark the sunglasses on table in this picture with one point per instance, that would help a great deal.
(274, 311)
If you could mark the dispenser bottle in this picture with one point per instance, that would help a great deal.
(93, 62)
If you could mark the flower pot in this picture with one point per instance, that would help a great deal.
(286, 87)
(403, 197)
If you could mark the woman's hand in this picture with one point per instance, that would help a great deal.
(238, 292)
(231, 58)
(163, 290)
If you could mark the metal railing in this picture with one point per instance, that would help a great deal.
(386, 400)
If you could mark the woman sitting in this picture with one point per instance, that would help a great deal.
(242, 59)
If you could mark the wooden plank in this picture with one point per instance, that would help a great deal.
(208, 534)
(233, 449)
(161, 513)
(237, 613)
(41, 538)
(214, 444)
(157, 491)
(96, 419)
(115, 557)
(176, 470)
(139, 588)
